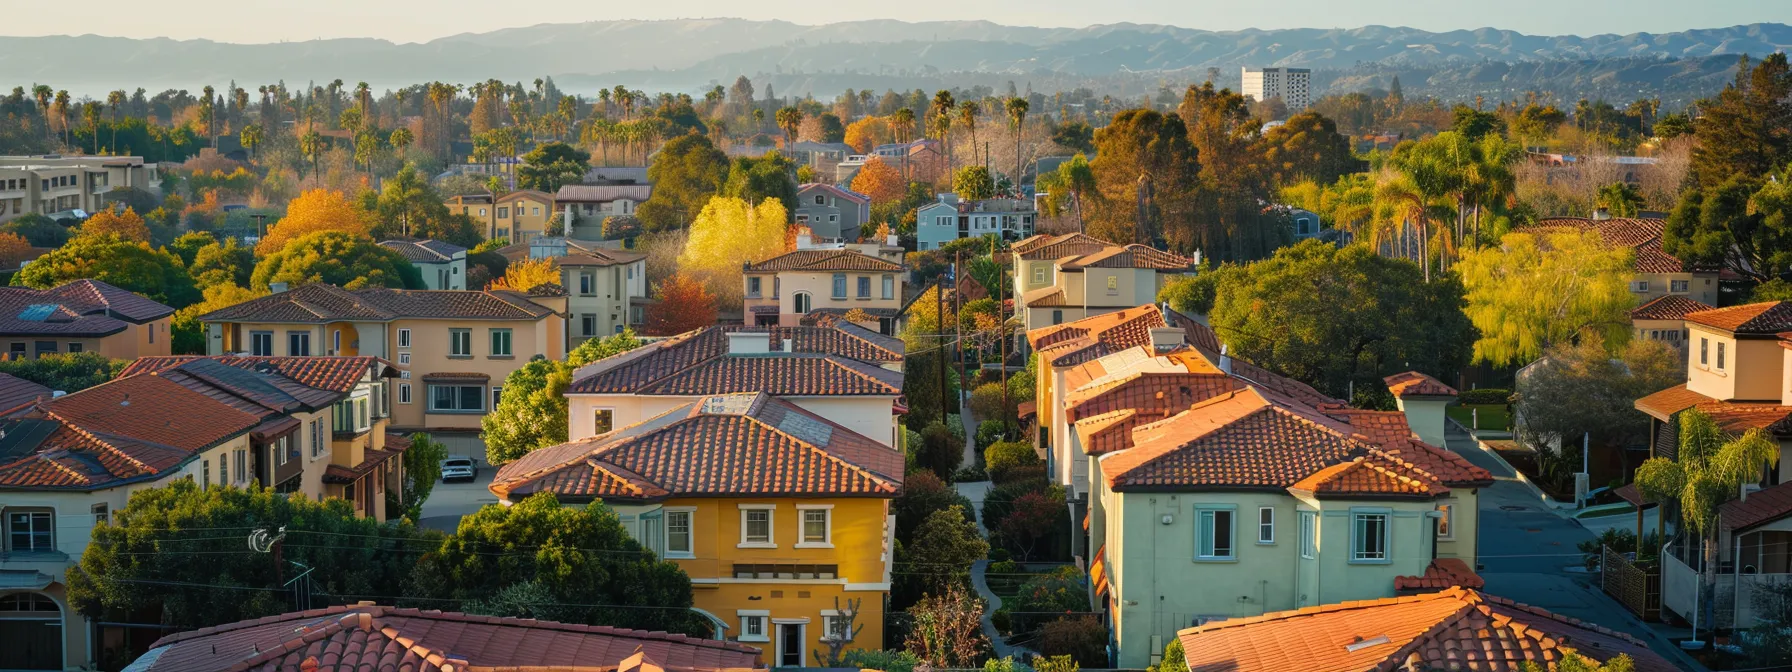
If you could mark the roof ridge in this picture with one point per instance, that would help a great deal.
(1348, 605)
(825, 453)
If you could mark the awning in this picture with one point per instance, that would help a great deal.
(1098, 575)
(274, 427)
(451, 377)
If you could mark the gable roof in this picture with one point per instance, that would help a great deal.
(318, 302)
(1091, 337)
(1667, 307)
(1734, 417)
(1455, 628)
(1129, 256)
(727, 445)
(527, 194)
(426, 251)
(369, 637)
(1045, 247)
(603, 193)
(831, 360)
(1641, 235)
(1767, 317)
(15, 391)
(578, 253)
(836, 190)
(338, 374)
(1412, 384)
(79, 308)
(824, 260)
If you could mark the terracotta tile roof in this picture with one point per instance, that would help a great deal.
(1642, 236)
(838, 359)
(1667, 307)
(1044, 297)
(1664, 404)
(742, 444)
(602, 193)
(1415, 384)
(1734, 417)
(1369, 476)
(1441, 574)
(426, 251)
(151, 408)
(1452, 629)
(1761, 507)
(527, 194)
(369, 637)
(1196, 334)
(824, 260)
(341, 475)
(338, 374)
(1131, 256)
(79, 308)
(578, 253)
(315, 303)
(1046, 247)
(16, 391)
(1768, 317)
(1076, 342)
(1447, 466)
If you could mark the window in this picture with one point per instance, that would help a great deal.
(1704, 351)
(1057, 317)
(1214, 534)
(75, 347)
(839, 285)
(1445, 528)
(351, 415)
(317, 437)
(1039, 274)
(496, 391)
(1639, 286)
(753, 287)
(223, 470)
(803, 302)
(404, 338)
(1113, 285)
(816, 531)
(1369, 537)
(205, 473)
(587, 283)
(280, 449)
(889, 287)
(457, 398)
(404, 393)
(30, 531)
(1720, 355)
(756, 526)
(460, 342)
(678, 533)
(45, 348)
(835, 627)
(752, 627)
(603, 420)
(500, 342)
(503, 213)
(404, 358)
(102, 514)
(298, 343)
(864, 286)
(819, 200)
(1309, 530)
(588, 324)
(1679, 286)
(1266, 525)
(335, 341)
(17, 351)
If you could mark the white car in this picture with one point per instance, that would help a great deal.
(459, 469)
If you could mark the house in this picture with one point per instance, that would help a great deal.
(452, 348)
(516, 216)
(785, 288)
(1422, 400)
(68, 185)
(781, 545)
(949, 219)
(606, 287)
(443, 266)
(67, 463)
(1073, 276)
(850, 375)
(82, 316)
(833, 214)
(1657, 273)
(1457, 628)
(1663, 318)
(586, 205)
(1305, 223)
(366, 636)
(815, 154)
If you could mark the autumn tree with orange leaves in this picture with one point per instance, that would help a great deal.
(522, 276)
(14, 247)
(683, 304)
(125, 224)
(313, 211)
(880, 181)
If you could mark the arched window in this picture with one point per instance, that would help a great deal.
(28, 603)
(803, 302)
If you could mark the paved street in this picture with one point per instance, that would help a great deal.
(1527, 554)
(449, 501)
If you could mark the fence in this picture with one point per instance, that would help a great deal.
(1638, 589)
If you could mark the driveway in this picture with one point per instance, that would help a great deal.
(449, 501)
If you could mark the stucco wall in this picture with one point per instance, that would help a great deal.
(1746, 373)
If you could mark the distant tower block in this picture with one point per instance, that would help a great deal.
(1292, 85)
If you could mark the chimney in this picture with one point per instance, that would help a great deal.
(277, 287)
(891, 240)
(749, 342)
(1602, 214)
(1225, 360)
(1165, 339)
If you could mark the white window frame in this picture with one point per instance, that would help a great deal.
(404, 393)
(760, 616)
(318, 444)
(1309, 535)
(889, 287)
(404, 337)
(31, 528)
(257, 351)
(827, 525)
(1357, 554)
(690, 531)
(1266, 530)
(771, 526)
(1206, 513)
(404, 358)
(832, 618)
(1446, 521)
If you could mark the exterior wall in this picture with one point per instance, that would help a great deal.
(1671, 332)
(137, 340)
(1045, 316)
(433, 274)
(1425, 416)
(868, 416)
(608, 304)
(1700, 287)
(1741, 377)
(88, 179)
(781, 289)
(929, 233)
(833, 217)
(1462, 542)
(429, 354)
(522, 217)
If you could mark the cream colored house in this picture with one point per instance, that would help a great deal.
(584, 207)
(452, 349)
(1657, 272)
(849, 375)
(837, 280)
(516, 216)
(606, 287)
(1664, 319)
(55, 184)
(1060, 279)
(82, 316)
(442, 265)
(71, 461)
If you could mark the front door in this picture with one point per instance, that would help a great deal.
(790, 645)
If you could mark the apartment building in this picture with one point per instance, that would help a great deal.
(53, 184)
(516, 216)
(451, 349)
(307, 426)
(796, 532)
(442, 265)
(1293, 85)
(949, 219)
(864, 280)
(82, 316)
(1073, 276)
(1656, 273)
(586, 205)
(606, 287)
(833, 214)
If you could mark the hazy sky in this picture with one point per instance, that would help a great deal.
(422, 20)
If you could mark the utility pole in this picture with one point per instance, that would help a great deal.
(957, 324)
(1002, 331)
(939, 340)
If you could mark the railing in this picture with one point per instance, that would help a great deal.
(1638, 589)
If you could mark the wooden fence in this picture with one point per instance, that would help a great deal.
(1638, 589)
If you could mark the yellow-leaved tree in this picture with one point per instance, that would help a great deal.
(124, 223)
(1534, 290)
(728, 233)
(313, 211)
(522, 276)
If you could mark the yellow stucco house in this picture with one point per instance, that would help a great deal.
(1655, 272)
(516, 216)
(780, 516)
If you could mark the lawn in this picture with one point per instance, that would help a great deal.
(1491, 416)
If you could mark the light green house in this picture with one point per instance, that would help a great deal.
(1265, 498)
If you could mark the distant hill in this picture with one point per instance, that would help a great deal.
(689, 54)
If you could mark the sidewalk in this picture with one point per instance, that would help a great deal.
(990, 604)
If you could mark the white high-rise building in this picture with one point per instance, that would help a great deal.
(1292, 85)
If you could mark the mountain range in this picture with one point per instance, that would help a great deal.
(693, 53)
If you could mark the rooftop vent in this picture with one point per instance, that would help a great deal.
(1361, 644)
(752, 343)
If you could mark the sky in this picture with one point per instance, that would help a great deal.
(254, 21)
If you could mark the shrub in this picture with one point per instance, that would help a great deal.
(922, 494)
(941, 451)
(69, 372)
(1046, 597)
(1485, 395)
(1041, 525)
(1025, 472)
(887, 661)
(1084, 640)
(986, 402)
(1004, 456)
(1005, 664)
(999, 555)
(989, 432)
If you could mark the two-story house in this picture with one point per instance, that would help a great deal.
(949, 219)
(833, 214)
(1073, 276)
(1664, 319)
(795, 531)
(67, 185)
(606, 287)
(67, 463)
(452, 349)
(783, 289)
(442, 265)
(851, 375)
(584, 206)
(1657, 273)
(82, 316)
(516, 216)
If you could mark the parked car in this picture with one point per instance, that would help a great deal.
(459, 469)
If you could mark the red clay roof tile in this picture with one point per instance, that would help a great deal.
(1767, 317)
(1415, 384)
(1667, 307)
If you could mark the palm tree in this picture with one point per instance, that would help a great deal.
(364, 99)
(311, 144)
(43, 93)
(251, 138)
(401, 139)
(115, 100)
(902, 122)
(62, 105)
(789, 120)
(1017, 116)
(207, 116)
(1405, 202)
(91, 112)
(967, 115)
(942, 122)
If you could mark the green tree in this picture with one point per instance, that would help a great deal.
(755, 179)
(68, 372)
(973, 183)
(1146, 173)
(1075, 136)
(158, 555)
(832, 130)
(38, 230)
(531, 412)
(129, 265)
(1474, 124)
(594, 349)
(222, 263)
(551, 165)
(1535, 124)
(1235, 182)
(939, 556)
(186, 245)
(1578, 389)
(1308, 147)
(338, 258)
(1621, 199)
(923, 494)
(422, 467)
(686, 172)
(1742, 131)
(188, 334)
(1741, 224)
(1534, 291)
(408, 206)
(1332, 317)
(582, 556)
(1574, 662)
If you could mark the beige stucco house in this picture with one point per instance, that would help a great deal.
(1063, 278)
(1657, 273)
(606, 287)
(516, 216)
(82, 316)
(1664, 319)
(832, 279)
